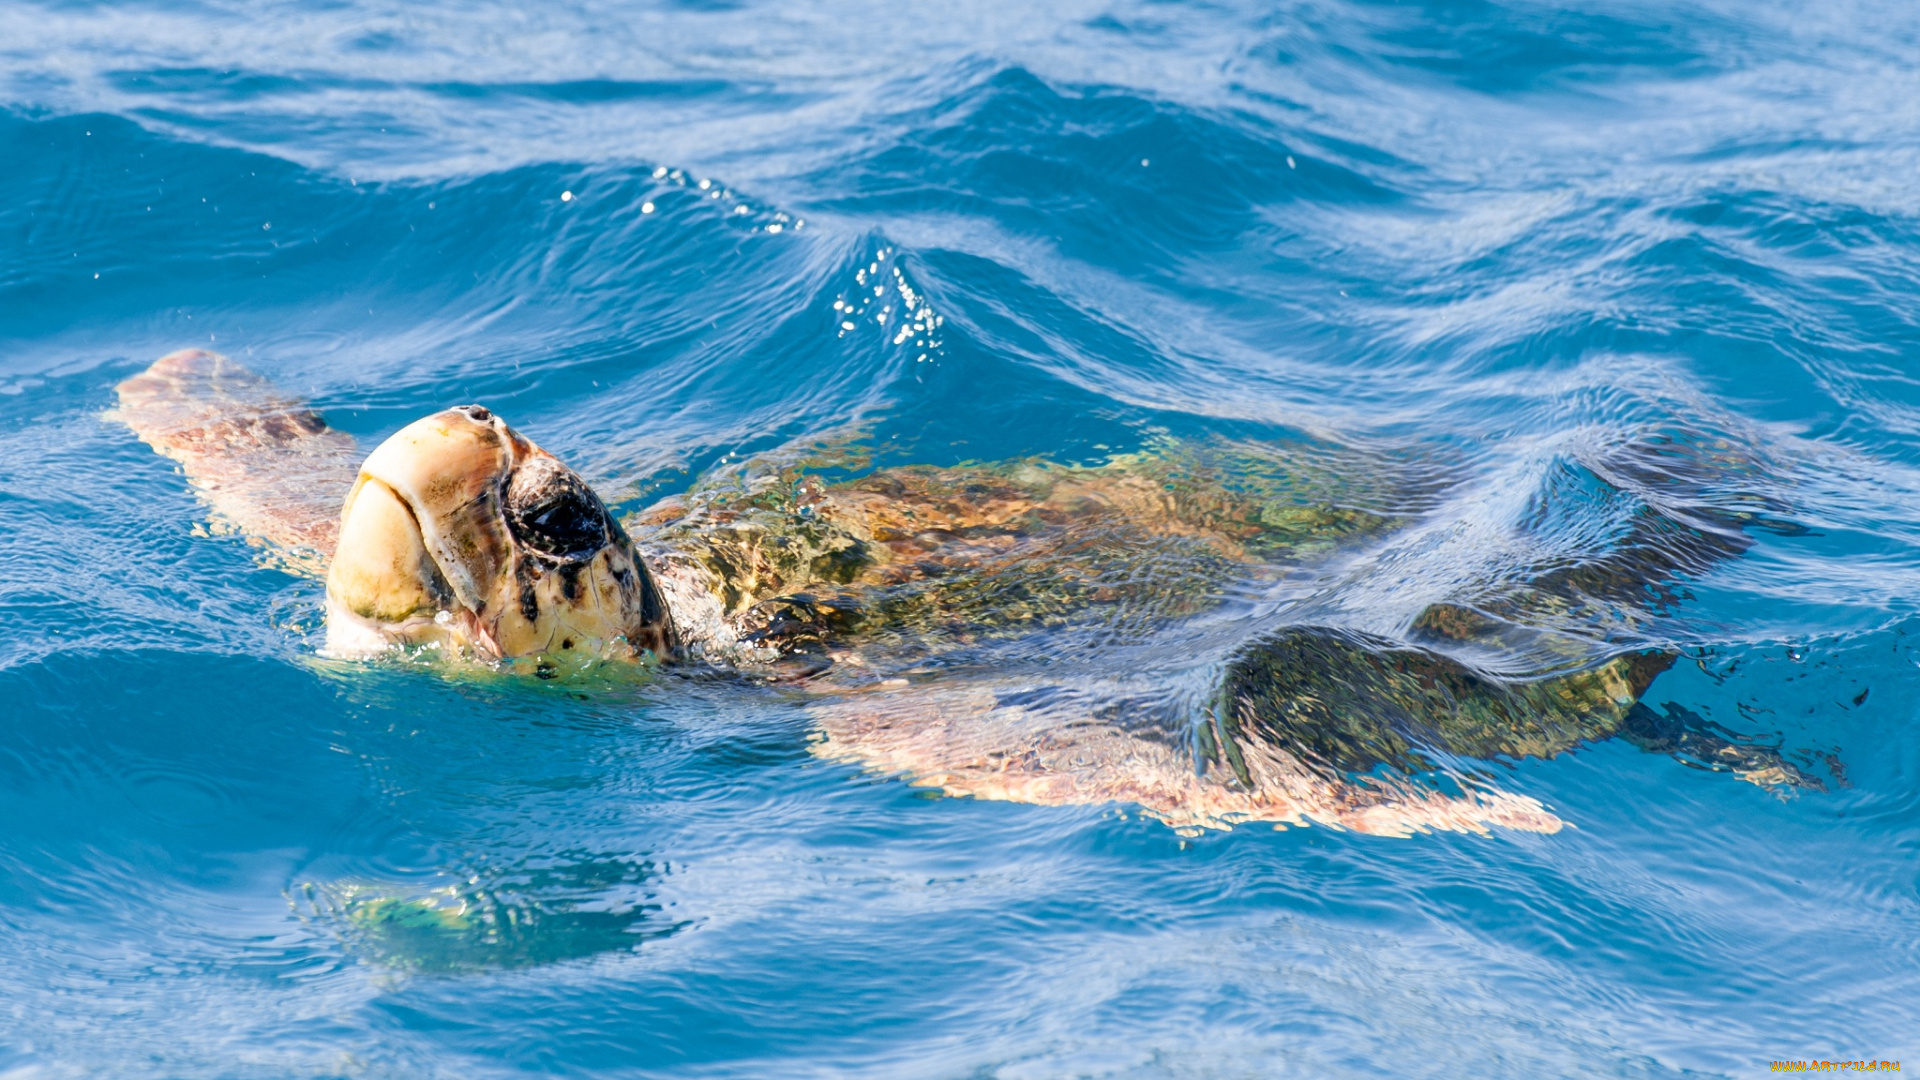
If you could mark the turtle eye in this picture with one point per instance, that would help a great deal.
(478, 413)
(552, 511)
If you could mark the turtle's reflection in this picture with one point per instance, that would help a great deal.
(511, 917)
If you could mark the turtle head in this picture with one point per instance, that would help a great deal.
(460, 531)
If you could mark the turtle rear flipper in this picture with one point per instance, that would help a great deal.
(1693, 740)
(1348, 703)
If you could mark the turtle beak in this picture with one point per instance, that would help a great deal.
(460, 531)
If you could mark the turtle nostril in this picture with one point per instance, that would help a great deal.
(475, 412)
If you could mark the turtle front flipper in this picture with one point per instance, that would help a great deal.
(268, 466)
(1004, 739)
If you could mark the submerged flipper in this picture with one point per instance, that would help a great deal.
(267, 465)
(1347, 703)
(1692, 739)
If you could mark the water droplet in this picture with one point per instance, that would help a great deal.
(646, 208)
(659, 171)
(1796, 654)
(1144, 163)
(566, 196)
(1290, 163)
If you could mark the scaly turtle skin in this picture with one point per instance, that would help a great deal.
(925, 613)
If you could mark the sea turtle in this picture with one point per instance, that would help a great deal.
(1027, 630)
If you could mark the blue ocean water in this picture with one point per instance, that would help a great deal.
(1495, 234)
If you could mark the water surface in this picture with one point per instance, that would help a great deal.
(1500, 236)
